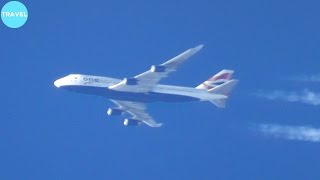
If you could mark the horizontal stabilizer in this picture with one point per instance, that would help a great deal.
(220, 103)
(224, 89)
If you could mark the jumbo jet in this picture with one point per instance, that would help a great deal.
(131, 94)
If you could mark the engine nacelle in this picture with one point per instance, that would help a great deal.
(114, 112)
(130, 81)
(155, 68)
(131, 122)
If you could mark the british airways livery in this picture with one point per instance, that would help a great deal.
(131, 94)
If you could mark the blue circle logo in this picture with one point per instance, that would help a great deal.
(14, 14)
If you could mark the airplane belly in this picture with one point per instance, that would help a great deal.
(129, 96)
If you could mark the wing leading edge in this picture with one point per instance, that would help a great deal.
(144, 82)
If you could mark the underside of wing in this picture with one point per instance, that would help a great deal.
(144, 82)
(137, 111)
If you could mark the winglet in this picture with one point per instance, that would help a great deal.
(198, 48)
(151, 124)
(182, 57)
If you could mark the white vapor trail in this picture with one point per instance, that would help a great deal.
(302, 133)
(306, 96)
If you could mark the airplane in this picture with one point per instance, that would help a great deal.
(131, 94)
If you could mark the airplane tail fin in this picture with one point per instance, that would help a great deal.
(224, 89)
(216, 80)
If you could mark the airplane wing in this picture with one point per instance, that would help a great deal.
(137, 110)
(144, 82)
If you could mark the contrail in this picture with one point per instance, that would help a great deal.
(306, 96)
(301, 133)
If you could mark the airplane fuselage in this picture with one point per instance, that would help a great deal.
(99, 86)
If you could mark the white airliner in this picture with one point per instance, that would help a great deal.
(131, 94)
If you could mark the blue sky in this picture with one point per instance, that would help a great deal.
(46, 133)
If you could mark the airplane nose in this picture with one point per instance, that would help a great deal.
(57, 83)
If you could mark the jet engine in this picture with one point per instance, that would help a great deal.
(131, 122)
(114, 112)
(130, 81)
(155, 68)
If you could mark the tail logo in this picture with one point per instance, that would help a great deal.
(216, 80)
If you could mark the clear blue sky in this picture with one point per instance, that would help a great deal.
(47, 133)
